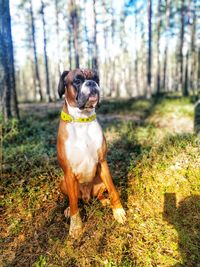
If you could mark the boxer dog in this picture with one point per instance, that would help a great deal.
(81, 147)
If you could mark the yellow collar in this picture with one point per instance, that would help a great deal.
(66, 117)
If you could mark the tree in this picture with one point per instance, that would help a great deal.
(198, 75)
(37, 76)
(182, 32)
(158, 46)
(7, 71)
(58, 36)
(167, 29)
(74, 21)
(86, 37)
(45, 52)
(193, 61)
(136, 52)
(187, 25)
(95, 48)
(149, 48)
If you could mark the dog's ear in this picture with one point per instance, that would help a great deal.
(62, 84)
(96, 76)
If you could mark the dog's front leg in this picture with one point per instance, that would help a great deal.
(73, 192)
(118, 211)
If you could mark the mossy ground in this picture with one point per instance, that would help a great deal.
(154, 159)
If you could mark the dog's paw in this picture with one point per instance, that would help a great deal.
(75, 233)
(76, 226)
(119, 215)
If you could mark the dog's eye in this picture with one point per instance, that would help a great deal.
(78, 81)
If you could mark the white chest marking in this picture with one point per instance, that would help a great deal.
(84, 140)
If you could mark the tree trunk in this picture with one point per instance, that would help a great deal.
(87, 38)
(182, 43)
(95, 48)
(105, 37)
(58, 37)
(69, 45)
(136, 57)
(185, 89)
(75, 24)
(198, 75)
(193, 61)
(45, 53)
(5, 84)
(7, 71)
(158, 47)
(168, 4)
(37, 76)
(113, 62)
(148, 94)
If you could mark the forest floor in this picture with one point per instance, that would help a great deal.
(155, 162)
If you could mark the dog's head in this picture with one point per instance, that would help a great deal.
(80, 87)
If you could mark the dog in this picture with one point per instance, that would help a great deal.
(82, 148)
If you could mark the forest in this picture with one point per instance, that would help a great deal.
(147, 56)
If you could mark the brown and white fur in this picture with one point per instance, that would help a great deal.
(81, 148)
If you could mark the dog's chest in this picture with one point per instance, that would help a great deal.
(84, 141)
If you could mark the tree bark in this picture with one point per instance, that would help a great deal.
(45, 53)
(37, 76)
(136, 56)
(198, 75)
(87, 38)
(185, 89)
(7, 75)
(95, 48)
(69, 45)
(5, 84)
(182, 43)
(58, 37)
(75, 24)
(168, 6)
(158, 47)
(193, 60)
(148, 94)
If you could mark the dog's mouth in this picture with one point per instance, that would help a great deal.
(90, 103)
(93, 98)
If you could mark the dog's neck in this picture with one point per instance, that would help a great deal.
(76, 113)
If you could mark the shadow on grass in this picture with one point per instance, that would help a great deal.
(186, 219)
(37, 245)
(120, 155)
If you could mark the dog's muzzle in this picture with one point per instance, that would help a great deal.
(88, 96)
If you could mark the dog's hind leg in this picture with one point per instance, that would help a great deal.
(98, 189)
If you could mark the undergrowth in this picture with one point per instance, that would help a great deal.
(155, 166)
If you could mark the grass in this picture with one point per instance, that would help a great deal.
(155, 166)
